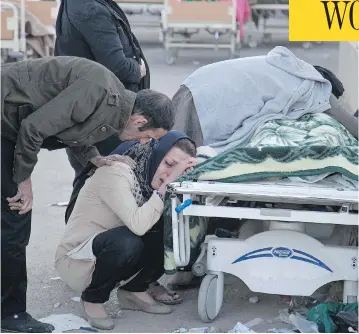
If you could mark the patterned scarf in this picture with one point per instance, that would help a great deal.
(141, 154)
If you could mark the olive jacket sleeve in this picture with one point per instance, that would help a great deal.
(73, 105)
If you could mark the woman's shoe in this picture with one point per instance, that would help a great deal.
(105, 323)
(128, 301)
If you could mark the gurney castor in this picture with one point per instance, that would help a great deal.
(267, 38)
(210, 296)
(171, 56)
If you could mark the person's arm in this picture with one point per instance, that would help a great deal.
(66, 109)
(339, 113)
(96, 25)
(116, 192)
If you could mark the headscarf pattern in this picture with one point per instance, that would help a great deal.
(141, 154)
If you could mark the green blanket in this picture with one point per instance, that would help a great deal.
(311, 146)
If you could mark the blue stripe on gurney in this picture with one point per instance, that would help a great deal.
(252, 257)
(315, 262)
(247, 256)
(309, 258)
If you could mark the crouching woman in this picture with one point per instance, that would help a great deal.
(115, 230)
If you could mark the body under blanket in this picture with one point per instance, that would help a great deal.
(235, 97)
(315, 145)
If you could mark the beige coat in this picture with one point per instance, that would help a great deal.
(107, 200)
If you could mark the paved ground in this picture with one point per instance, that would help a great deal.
(52, 183)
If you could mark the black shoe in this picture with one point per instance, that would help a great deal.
(24, 323)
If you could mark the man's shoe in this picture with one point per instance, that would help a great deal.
(24, 323)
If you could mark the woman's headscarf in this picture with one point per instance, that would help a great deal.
(148, 157)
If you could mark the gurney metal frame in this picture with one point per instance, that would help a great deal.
(259, 260)
(218, 16)
(11, 28)
(265, 29)
(13, 34)
(150, 11)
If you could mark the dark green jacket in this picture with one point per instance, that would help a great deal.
(60, 102)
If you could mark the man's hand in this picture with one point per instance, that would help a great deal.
(142, 68)
(112, 159)
(181, 168)
(22, 201)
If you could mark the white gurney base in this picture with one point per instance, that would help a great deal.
(272, 261)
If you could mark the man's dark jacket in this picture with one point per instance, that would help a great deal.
(99, 30)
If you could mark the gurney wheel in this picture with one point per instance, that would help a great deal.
(267, 38)
(171, 56)
(307, 45)
(207, 298)
(161, 36)
(252, 42)
(170, 60)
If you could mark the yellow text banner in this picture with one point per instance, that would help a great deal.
(316, 20)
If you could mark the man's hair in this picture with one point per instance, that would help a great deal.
(186, 146)
(156, 107)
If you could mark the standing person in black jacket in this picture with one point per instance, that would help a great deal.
(99, 30)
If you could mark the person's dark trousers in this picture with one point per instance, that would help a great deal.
(120, 254)
(15, 234)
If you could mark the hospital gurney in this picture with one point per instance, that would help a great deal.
(28, 28)
(143, 13)
(189, 17)
(271, 18)
(12, 28)
(271, 261)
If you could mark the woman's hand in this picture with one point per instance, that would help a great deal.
(22, 201)
(112, 159)
(178, 170)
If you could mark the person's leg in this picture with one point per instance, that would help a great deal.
(151, 261)
(15, 234)
(151, 265)
(338, 112)
(134, 295)
(186, 117)
(117, 252)
(76, 166)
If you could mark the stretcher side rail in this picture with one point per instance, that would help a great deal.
(10, 27)
(274, 191)
(150, 11)
(214, 195)
(269, 24)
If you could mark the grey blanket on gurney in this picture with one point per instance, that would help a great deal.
(312, 146)
(253, 90)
